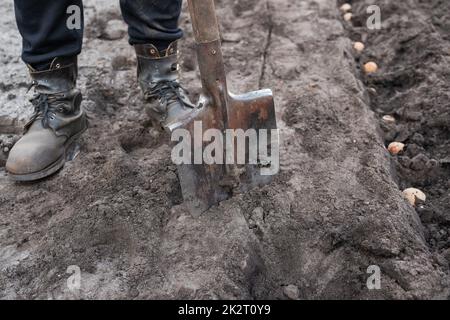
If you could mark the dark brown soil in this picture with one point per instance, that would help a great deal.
(335, 209)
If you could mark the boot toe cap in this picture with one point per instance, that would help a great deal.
(28, 157)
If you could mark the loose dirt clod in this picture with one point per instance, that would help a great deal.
(396, 147)
(413, 194)
(370, 67)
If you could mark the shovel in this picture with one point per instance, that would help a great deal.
(204, 185)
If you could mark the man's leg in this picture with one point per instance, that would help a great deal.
(45, 30)
(153, 31)
(152, 21)
(50, 48)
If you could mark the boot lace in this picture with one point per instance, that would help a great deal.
(45, 105)
(168, 92)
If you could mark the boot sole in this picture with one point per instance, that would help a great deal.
(51, 169)
(158, 123)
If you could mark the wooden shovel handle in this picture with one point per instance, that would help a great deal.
(204, 20)
(210, 59)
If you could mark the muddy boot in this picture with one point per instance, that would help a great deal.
(158, 77)
(57, 121)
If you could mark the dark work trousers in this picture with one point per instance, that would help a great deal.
(49, 27)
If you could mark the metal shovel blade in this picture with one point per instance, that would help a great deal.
(204, 185)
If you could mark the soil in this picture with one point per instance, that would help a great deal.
(413, 85)
(335, 209)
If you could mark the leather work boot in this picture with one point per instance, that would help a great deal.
(57, 121)
(158, 77)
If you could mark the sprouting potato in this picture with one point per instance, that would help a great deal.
(413, 194)
(358, 46)
(396, 147)
(370, 67)
(388, 118)
(346, 7)
(348, 16)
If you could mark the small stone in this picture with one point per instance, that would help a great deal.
(358, 46)
(231, 37)
(414, 196)
(258, 214)
(114, 30)
(348, 16)
(346, 7)
(370, 67)
(291, 291)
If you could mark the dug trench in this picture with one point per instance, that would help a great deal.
(116, 211)
(412, 49)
